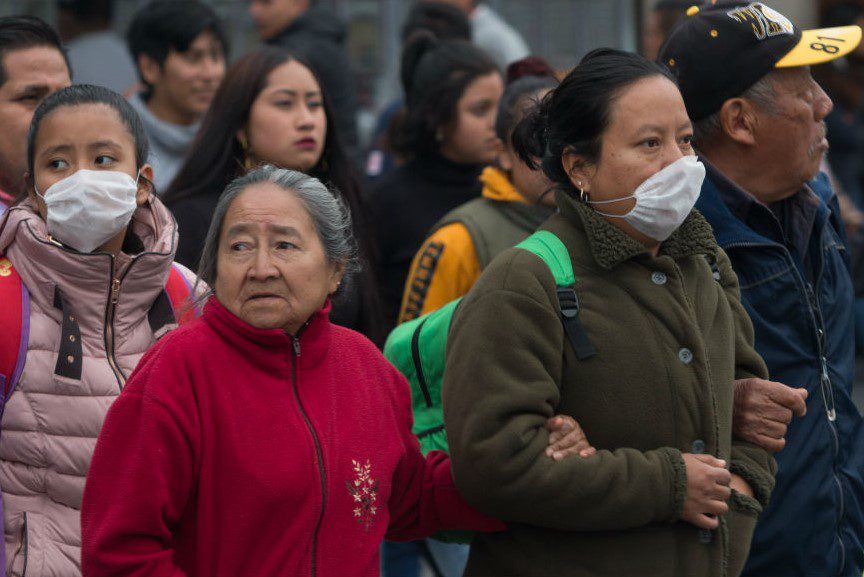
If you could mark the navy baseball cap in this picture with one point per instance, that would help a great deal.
(720, 50)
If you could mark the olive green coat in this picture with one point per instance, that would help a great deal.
(670, 341)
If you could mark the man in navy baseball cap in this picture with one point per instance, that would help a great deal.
(744, 73)
(722, 49)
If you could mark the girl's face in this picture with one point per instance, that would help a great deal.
(287, 124)
(471, 138)
(534, 185)
(84, 137)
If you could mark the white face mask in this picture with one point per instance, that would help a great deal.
(88, 208)
(664, 200)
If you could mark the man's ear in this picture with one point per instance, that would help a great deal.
(739, 120)
(578, 169)
(151, 71)
(145, 185)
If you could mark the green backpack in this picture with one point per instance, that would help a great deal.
(417, 348)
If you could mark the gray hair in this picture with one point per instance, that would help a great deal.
(762, 93)
(329, 212)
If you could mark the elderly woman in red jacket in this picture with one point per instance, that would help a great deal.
(262, 440)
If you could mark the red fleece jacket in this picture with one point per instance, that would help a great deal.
(237, 451)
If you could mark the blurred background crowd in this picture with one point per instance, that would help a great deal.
(562, 31)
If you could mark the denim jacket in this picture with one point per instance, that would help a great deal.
(801, 308)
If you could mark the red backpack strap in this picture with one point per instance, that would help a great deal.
(14, 327)
(180, 294)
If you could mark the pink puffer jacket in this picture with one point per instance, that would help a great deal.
(92, 317)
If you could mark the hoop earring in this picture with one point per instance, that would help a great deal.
(248, 163)
(583, 196)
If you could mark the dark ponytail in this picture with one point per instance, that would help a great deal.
(434, 76)
(517, 100)
(417, 46)
(575, 115)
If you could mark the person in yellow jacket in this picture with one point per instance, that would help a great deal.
(515, 201)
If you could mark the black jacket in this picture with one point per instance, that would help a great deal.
(319, 38)
(405, 205)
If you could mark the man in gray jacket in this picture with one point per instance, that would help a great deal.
(180, 50)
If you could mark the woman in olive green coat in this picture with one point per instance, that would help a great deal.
(669, 492)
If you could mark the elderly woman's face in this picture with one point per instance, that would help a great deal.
(272, 268)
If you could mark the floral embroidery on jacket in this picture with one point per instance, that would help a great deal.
(364, 490)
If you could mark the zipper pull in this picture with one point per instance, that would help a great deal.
(828, 394)
(115, 291)
(296, 342)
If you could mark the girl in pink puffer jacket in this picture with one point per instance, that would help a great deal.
(94, 248)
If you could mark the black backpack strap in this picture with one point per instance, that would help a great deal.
(568, 305)
(552, 251)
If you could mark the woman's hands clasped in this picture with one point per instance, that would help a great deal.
(567, 438)
(709, 482)
(708, 489)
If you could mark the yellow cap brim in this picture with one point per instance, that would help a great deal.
(822, 45)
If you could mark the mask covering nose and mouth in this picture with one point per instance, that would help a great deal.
(664, 200)
(88, 208)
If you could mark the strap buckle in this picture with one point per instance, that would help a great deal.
(568, 304)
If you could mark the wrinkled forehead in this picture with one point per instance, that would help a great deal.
(266, 208)
(790, 77)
